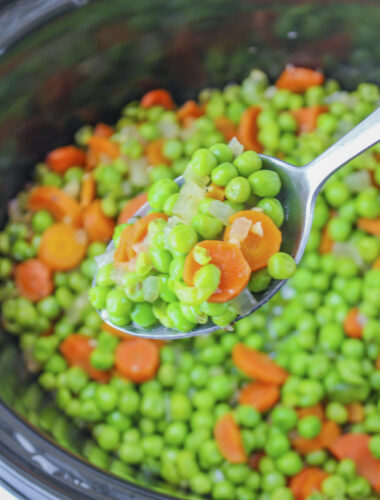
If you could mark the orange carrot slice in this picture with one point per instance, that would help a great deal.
(315, 410)
(376, 264)
(370, 226)
(306, 482)
(228, 438)
(299, 79)
(356, 448)
(76, 349)
(137, 360)
(248, 130)
(226, 127)
(131, 207)
(101, 150)
(326, 244)
(188, 112)
(124, 251)
(256, 248)
(157, 97)
(61, 159)
(33, 279)
(62, 247)
(103, 130)
(88, 190)
(154, 153)
(215, 192)
(351, 325)
(329, 433)
(355, 413)
(307, 117)
(258, 365)
(62, 206)
(259, 395)
(235, 271)
(98, 226)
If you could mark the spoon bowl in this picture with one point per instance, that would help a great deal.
(299, 190)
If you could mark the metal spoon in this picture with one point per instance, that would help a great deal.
(300, 187)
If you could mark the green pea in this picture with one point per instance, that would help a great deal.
(203, 161)
(309, 427)
(160, 192)
(102, 359)
(238, 190)
(178, 319)
(222, 152)
(169, 204)
(281, 266)
(339, 229)
(142, 315)
(287, 122)
(273, 208)
(367, 203)
(247, 163)
(117, 303)
(41, 221)
(182, 238)
(265, 183)
(289, 463)
(49, 307)
(207, 226)
(223, 174)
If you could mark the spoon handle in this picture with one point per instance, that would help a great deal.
(360, 138)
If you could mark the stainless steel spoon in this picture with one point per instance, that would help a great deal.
(300, 187)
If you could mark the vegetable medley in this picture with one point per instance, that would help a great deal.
(280, 405)
(200, 246)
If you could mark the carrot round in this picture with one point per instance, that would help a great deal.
(62, 247)
(259, 395)
(326, 244)
(351, 325)
(228, 438)
(329, 433)
(103, 130)
(257, 249)
(61, 159)
(315, 410)
(140, 227)
(33, 279)
(299, 79)
(376, 264)
(356, 448)
(124, 251)
(62, 206)
(137, 359)
(226, 127)
(154, 153)
(248, 130)
(188, 112)
(370, 226)
(76, 349)
(98, 226)
(258, 365)
(306, 482)
(356, 413)
(235, 271)
(157, 97)
(101, 150)
(88, 190)
(215, 192)
(307, 117)
(131, 207)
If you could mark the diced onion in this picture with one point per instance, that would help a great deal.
(168, 128)
(126, 188)
(129, 132)
(341, 96)
(257, 229)
(117, 275)
(104, 258)
(270, 91)
(236, 147)
(151, 288)
(75, 311)
(190, 195)
(239, 229)
(359, 180)
(221, 211)
(347, 249)
(72, 188)
(362, 320)
(138, 174)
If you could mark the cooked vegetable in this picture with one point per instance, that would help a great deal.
(137, 359)
(61, 159)
(33, 280)
(229, 441)
(298, 79)
(61, 206)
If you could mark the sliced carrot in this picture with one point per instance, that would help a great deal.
(235, 271)
(88, 190)
(101, 150)
(261, 396)
(306, 482)
(158, 97)
(329, 433)
(315, 410)
(188, 112)
(356, 448)
(376, 264)
(370, 226)
(61, 159)
(77, 349)
(215, 192)
(98, 226)
(62, 206)
(248, 130)
(254, 459)
(258, 365)
(355, 413)
(307, 117)
(131, 207)
(33, 279)
(228, 438)
(137, 359)
(103, 130)
(377, 364)
(226, 127)
(257, 249)
(124, 251)
(326, 244)
(62, 247)
(351, 325)
(140, 228)
(154, 153)
(299, 79)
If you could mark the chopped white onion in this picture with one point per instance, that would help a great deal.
(342, 96)
(104, 258)
(187, 132)
(221, 211)
(236, 147)
(257, 209)
(359, 180)
(257, 229)
(270, 91)
(190, 195)
(141, 246)
(200, 180)
(168, 128)
(347, 249)
(151, 288)
(129, 132)
(117, 275)
(362, 320)
(138, 174)
(240, 229)
(75, 311)
(72, 188)
(126, 188)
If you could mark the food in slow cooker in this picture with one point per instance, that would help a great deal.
(280, 405)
